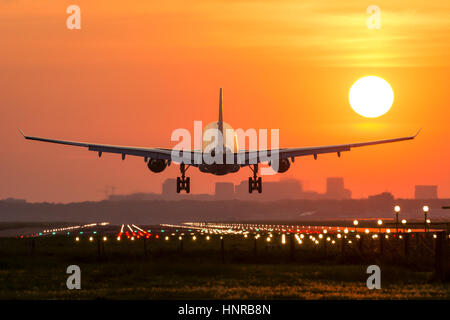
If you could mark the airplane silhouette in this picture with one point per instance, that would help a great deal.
(158, 159)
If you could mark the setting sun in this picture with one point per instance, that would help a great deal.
(371, 96)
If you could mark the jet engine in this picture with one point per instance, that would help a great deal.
(283, 165)
(157, 165)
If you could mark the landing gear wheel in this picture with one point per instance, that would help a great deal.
(255, 182)
(259, 185)
(183, 182)
(188, 185)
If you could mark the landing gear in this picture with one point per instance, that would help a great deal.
(183, 182)
(254, 183)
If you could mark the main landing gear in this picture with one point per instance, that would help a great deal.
(183, 182)
(254, 183)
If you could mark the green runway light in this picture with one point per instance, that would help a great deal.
(53, 233)
(95, 232)
(162, 230)
(149, 230)
(68, 233)
(40, 233)
(81, 232)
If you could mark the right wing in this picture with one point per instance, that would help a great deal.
(253, 157)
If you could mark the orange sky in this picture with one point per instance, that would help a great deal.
(137, 70)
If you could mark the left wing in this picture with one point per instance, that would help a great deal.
(153, 153)
(252, 157)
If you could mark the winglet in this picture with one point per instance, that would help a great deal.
(21, 132)
(417, 133)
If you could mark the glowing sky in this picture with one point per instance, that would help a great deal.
(137, 70)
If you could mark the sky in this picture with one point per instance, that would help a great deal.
(137, 70)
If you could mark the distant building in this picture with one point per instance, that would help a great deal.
(169, 189)
(14, 200)
(382, 197)
(335, 189)
(426, 192)
(224, 190)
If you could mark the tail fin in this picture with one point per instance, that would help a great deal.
(220, 122)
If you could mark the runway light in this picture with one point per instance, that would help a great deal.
(118, 238)
(380, 222)
(339, 236)
(283, 239)
(403, 221)
(428, 221)
(328, 238)
(132, 238)
(268, 239)
(358, 236)
(345, 230)
(194, 238)
(434, 236)
(320, 236)
(367, 231)
(104, 238)
(333, 242)
(180, 238)
(349, 241)
(166, 238)
(388, 231)
(325, 231)
(355, 222)
(77, 239)
(91, 239)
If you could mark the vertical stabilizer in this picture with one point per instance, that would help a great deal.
(220, 122)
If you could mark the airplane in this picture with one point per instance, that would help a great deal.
(158, 159)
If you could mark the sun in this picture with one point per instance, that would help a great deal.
(371, 96)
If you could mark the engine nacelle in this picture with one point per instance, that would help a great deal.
(157, 165)
(283, 165)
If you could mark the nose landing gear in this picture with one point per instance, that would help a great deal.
(254, 183)
(183, 182)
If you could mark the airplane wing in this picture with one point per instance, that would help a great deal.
(153, 153)
(253, 157)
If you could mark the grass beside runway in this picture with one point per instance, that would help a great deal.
(200, 271)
